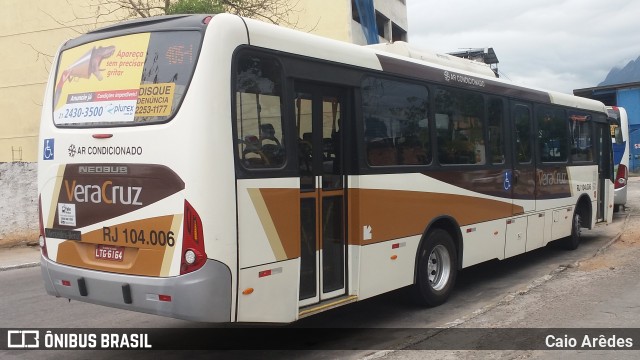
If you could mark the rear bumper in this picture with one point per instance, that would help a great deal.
(620, 196)
(203, 295)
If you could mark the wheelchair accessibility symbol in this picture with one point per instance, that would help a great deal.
(47, 153)
(507, 180)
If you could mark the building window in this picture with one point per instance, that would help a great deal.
(382, 23)
(397, 33)
(355, 15)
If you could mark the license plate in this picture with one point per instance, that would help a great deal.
(108, 252)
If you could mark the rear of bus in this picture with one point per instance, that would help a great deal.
(131, 159)
(620, 144)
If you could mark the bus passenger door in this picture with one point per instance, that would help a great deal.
(318, 112)
(605, 191)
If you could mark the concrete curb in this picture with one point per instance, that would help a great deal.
(19, 266)
(615, 238)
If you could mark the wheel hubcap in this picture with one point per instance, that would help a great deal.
(439, 267)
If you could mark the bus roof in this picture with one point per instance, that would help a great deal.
(468, 75)
(397, 58)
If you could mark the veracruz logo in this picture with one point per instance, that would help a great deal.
(105, 193)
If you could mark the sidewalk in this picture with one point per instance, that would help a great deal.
(19, 257)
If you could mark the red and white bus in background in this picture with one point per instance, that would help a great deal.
(220, 169)
(620, 142)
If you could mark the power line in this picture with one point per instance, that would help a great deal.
(56, 28)
(17, 137)
(502, 73)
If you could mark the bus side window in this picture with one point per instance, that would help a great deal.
(496, 131)
(552, 134)
(396, 126)
(580, 126)
(459, 124)
(270, 145)
(522, 122)
(380, 148)
(259, 112)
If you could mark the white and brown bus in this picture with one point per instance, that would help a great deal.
(220, 169)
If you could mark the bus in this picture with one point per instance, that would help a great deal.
(620, 143)
(220, 169)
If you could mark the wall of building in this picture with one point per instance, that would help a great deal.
(394, 12)
(328, 18)
(18, 203)
(629, 99)
(334, 18)
(30, 33)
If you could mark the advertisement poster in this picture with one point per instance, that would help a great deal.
(100, 81)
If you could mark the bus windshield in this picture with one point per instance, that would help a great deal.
(125, 80)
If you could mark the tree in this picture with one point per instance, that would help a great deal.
(273, 11)
(194, 7)
(89, 15)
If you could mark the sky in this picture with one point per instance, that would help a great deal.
(557, 45)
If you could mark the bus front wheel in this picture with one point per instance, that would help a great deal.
(436, 269)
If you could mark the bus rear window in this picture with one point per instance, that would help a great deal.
(127, 80)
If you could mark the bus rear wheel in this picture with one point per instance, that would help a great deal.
(573, 241)
(436, 269)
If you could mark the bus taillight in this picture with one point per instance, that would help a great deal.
(621, 177)
(42, 240)
(193, 253)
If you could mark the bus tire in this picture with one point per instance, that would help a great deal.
(436, 269)
(573, 241)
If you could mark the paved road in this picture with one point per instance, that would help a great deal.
(599, 292)
(24, 304)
